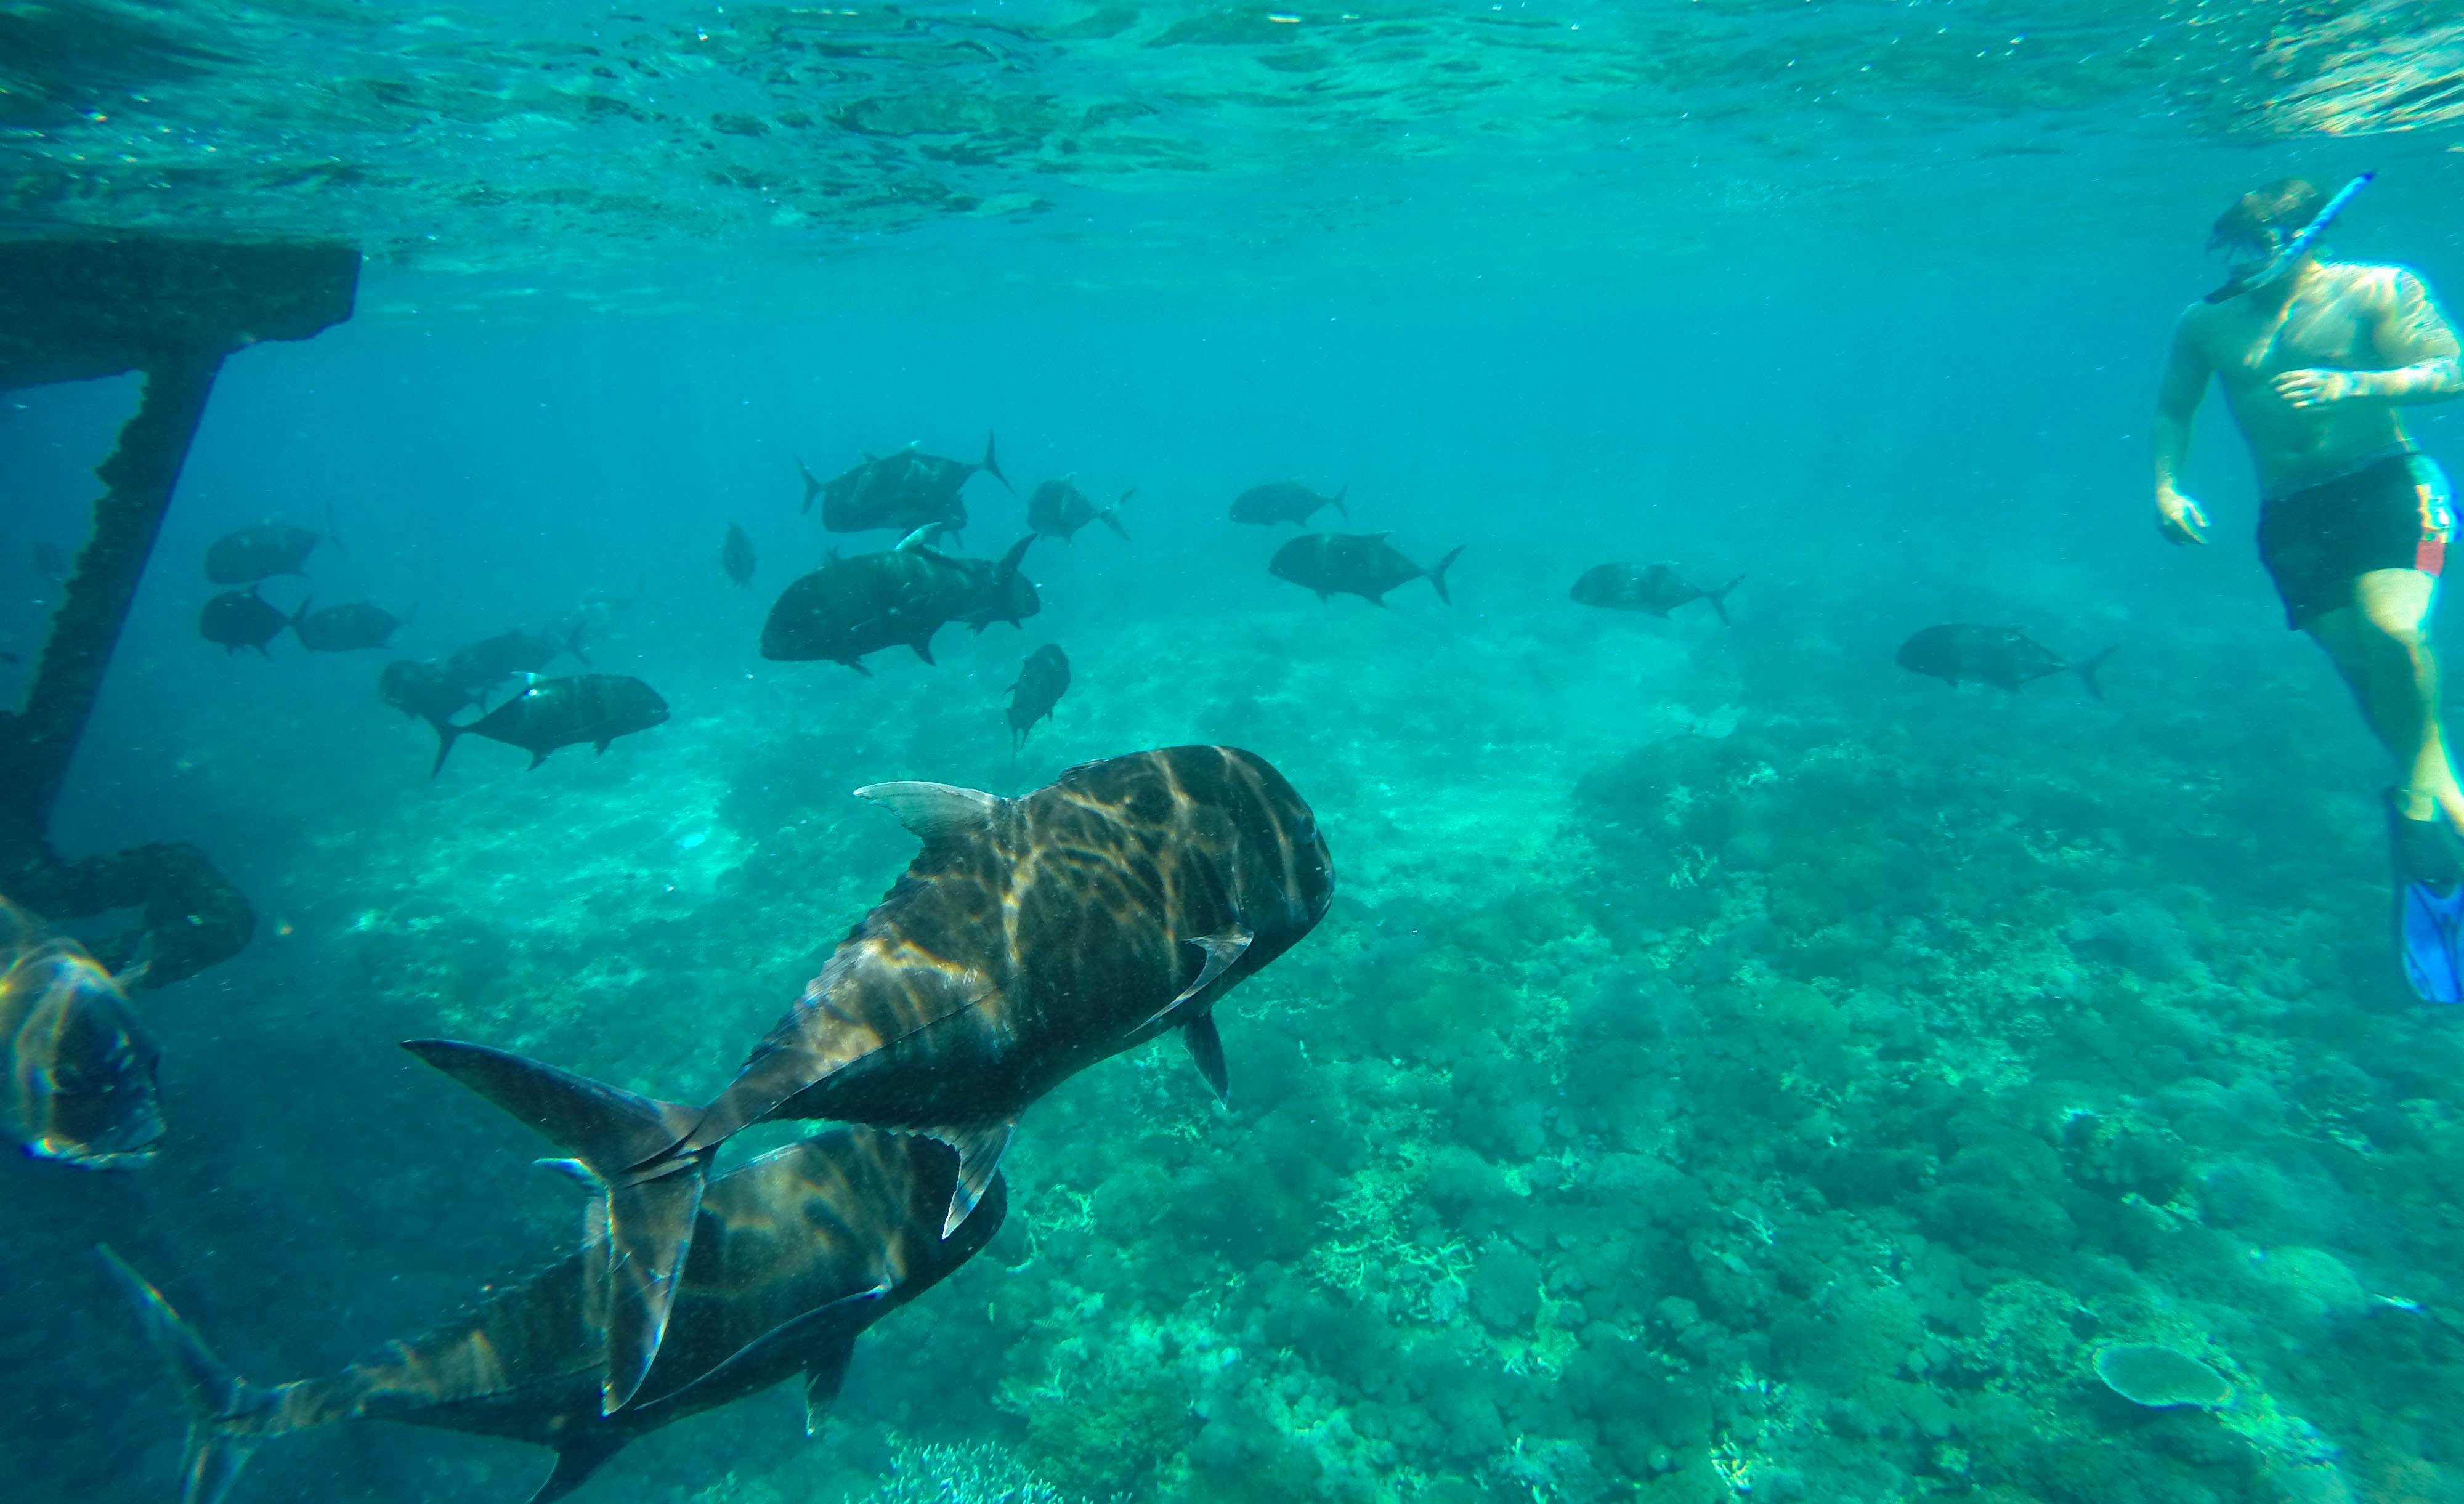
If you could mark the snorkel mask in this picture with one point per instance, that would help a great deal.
(2263, 263)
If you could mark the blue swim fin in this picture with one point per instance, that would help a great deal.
(2430, 906)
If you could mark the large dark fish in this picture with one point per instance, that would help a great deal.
(1285, 501)
(81, 1066)
(1029, 939)
(491, 661)
(2002, 656)
(1655, 588)
(1042, 681)
(419, 688)
(794, 1254)
(262, 552)
(905, 490)
(551, 713)
(736, 555)
(849, 608)
(1362, 564)
(238, 619)
(352, 628)
(1058, 509)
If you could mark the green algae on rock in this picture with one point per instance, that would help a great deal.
(2160, 1377)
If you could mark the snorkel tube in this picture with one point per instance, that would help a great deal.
(2292, 251)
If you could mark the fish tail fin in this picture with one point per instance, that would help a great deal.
(992, 464)
(812, 486)
(2087, 671)
(631, 1145)
(297, 617)
(573, 643)
(219, 1401)
(1110, 516)
(333, 535)
(447, 734)
(1719, 599)
(1337, 498)
(1437, 572)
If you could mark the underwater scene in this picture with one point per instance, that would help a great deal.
(1074, 751)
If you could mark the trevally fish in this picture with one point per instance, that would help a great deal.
(551, 713)
(491, 661)
(1058, 509)
(81, 1066)
(262, 552)
(1029, 939)
(904, 491)
(597, 614)
(1042, 681)
(2005, 656)
(238, 619)
(347, 628)
(736, 555)
(849, 608)
(420, 689)
(1362, 564)
(794, 1254)
(1656, 588)
(1285, 501)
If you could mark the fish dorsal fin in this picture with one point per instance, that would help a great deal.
(1380, 537)
(577, 1460)
(1222, 951)
(936, 812)
(980, 1154)
(1207, 1049)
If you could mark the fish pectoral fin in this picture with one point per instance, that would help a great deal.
(1207, 1049)
(576, 1461)
(936, 812)
(979, 1153)
(575, 1171)
(651, 1226)
(1222, 951)
(537, 758)
(820, 1340)
(824, 1377)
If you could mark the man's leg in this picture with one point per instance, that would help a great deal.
(2381, 645)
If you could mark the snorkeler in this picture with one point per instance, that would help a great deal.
(2316, 360)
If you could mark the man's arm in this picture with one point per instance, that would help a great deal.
(2177, 402)
(2418, 342)
(2411, 334)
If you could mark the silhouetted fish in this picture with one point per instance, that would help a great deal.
(345, 629)
(419, 688)
(551, 713)
(2002, 656)
(849, 608)
(1285, 501)
(491, 661)
(238, 619)
(794, 1254)
(736, 555)
(1058, 509)
(905, 490)
(595, 617)
(81, 1066)
(1042, 681)
(1029, 939)
(1657, 589)
(261, 551)
(1362, 564)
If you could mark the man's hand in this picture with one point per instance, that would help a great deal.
(2179, 519)
(2319, 388)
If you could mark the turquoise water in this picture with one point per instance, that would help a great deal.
(1733, 1067)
